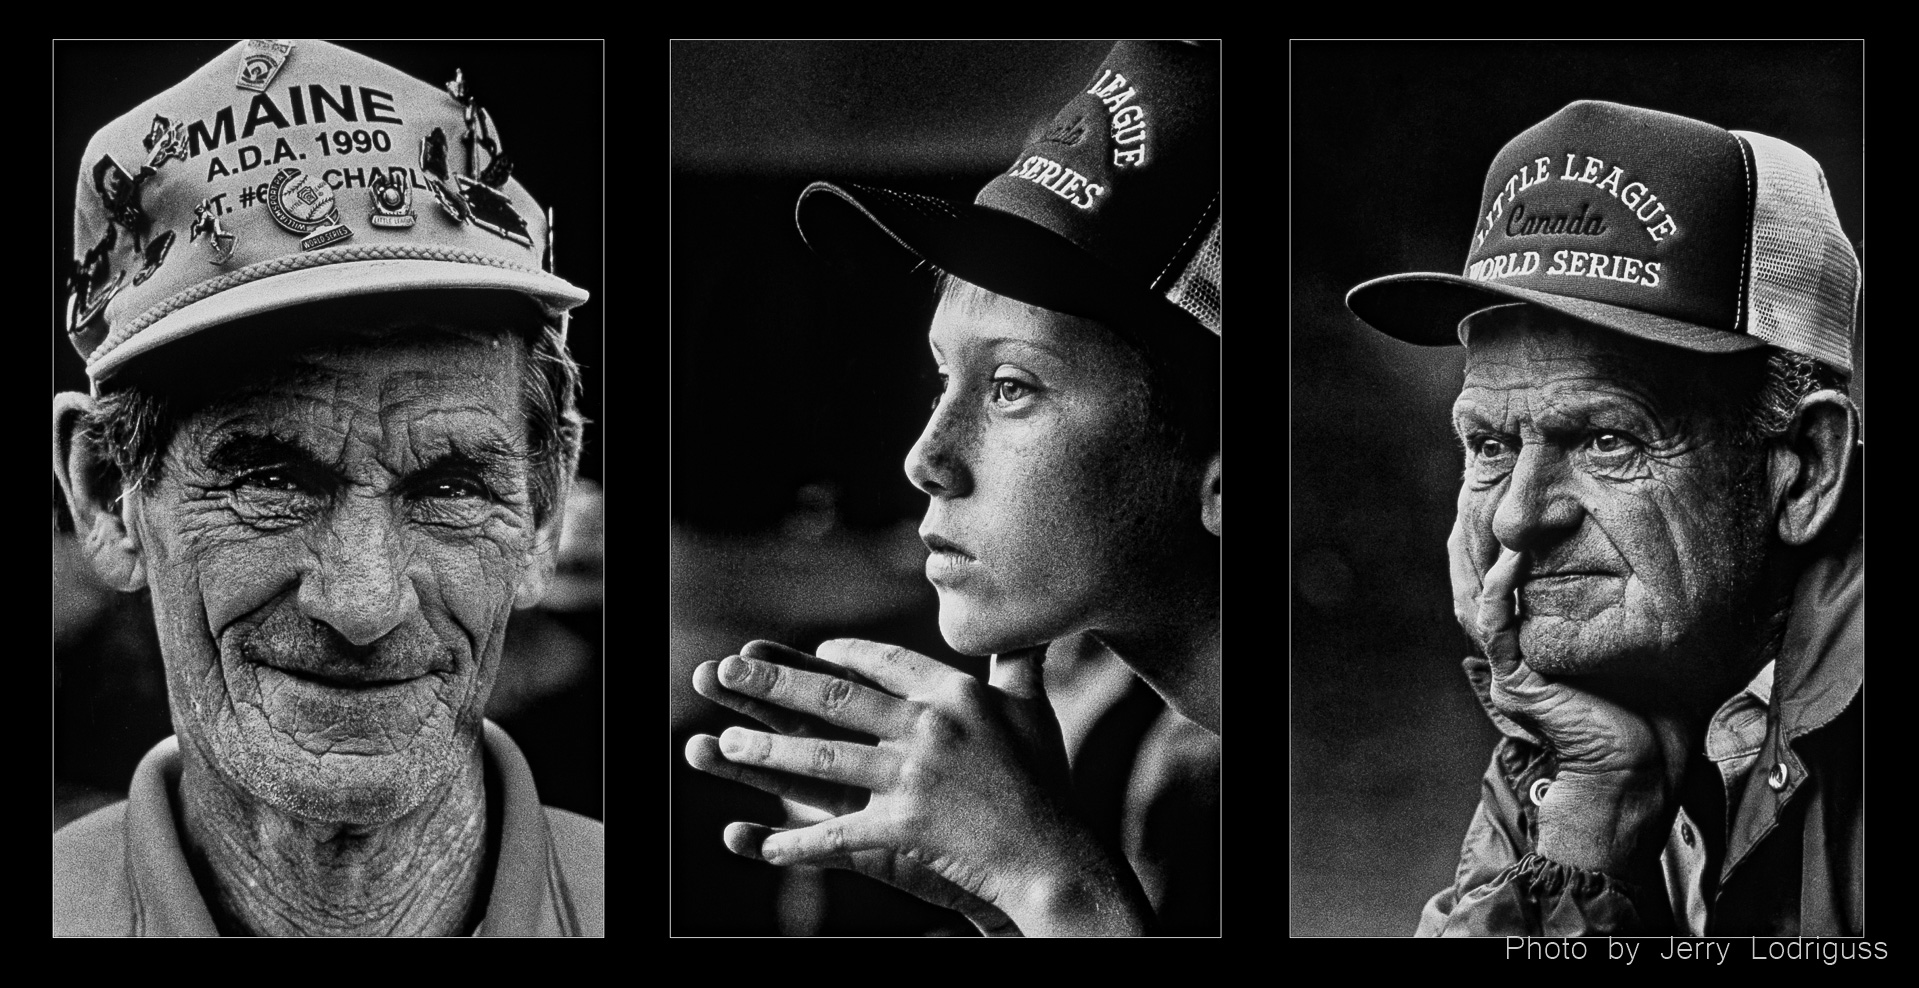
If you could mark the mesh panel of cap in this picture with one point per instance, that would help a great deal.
(1805, 277)
(1197, 288)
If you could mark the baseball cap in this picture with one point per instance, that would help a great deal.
(1110, 212)
(1650, 224)
(288, 172)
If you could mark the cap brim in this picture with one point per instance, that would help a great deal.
(871, 230)
(1427, 308)
(326, 281)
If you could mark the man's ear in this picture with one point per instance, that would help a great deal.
(1808, 467)
(91, 483)
(537, 574)
(1209, 505)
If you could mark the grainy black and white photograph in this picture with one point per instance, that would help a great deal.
(329, 553)
(1577, 442)
(945, 488)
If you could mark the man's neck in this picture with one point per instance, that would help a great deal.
(265, 873)
(1179, 660)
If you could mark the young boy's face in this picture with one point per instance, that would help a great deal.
(1054, 506)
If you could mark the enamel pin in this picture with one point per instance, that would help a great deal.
(260, 61)
(156, 255)
(480, 135)
(492, 212)
(120, 193)
(89, 290)
(392, 202)
(165, 140)
(207, 222)
(433, 162)
(546, 256)
(301, 204)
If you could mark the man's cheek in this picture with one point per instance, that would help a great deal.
(473, 584)
(1476, 510)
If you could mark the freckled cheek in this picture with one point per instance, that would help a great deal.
(1068, 521)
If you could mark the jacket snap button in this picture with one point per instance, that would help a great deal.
(1777, 780)
(1538, 792)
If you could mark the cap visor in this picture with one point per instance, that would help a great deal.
(337, 280)
(1427, 308)
(871, 230)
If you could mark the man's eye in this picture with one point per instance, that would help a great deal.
(1487, 448)
(452, 489)
(1610, 442)
(939, 391)
(1002, 384)
(271, 480)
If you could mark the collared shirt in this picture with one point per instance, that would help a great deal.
(1733, 738)
(121, 870)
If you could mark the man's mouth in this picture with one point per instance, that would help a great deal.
(366, 681)
(1565, 574)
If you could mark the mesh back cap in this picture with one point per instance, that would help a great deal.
(1805, 277)
(1650, 224)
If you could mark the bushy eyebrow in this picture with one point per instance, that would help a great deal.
(243, 451)
(487, 453)
(1573, 413)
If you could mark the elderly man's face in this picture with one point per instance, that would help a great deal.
(1600, 457)
(334, 549)
(1040, 467)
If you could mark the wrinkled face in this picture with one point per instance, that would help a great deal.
(1063, 506)
(333, 550)
(1602, 458)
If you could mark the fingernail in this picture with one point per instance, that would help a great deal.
(768, 851)
(736, 670)
(731, 742)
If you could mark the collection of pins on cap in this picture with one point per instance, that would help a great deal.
(302, 205)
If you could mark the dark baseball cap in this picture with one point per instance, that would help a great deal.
(1651, 224)
(1111, 212)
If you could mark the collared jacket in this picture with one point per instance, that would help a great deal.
(121, 871)
(1795, 822)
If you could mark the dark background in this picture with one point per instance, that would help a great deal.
(546, 99)
(796, 394)
(1390, 145)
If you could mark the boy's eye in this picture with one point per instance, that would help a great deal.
(1002, 384)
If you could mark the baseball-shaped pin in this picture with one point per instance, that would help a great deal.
(299, 202)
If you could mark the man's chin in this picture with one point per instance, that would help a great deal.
(337, 786)
(1563, 646)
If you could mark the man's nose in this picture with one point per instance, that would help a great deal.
(936, 463)
(1539, 507)
(358, 585)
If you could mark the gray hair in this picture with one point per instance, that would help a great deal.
(136, 423)
(1788, 378)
